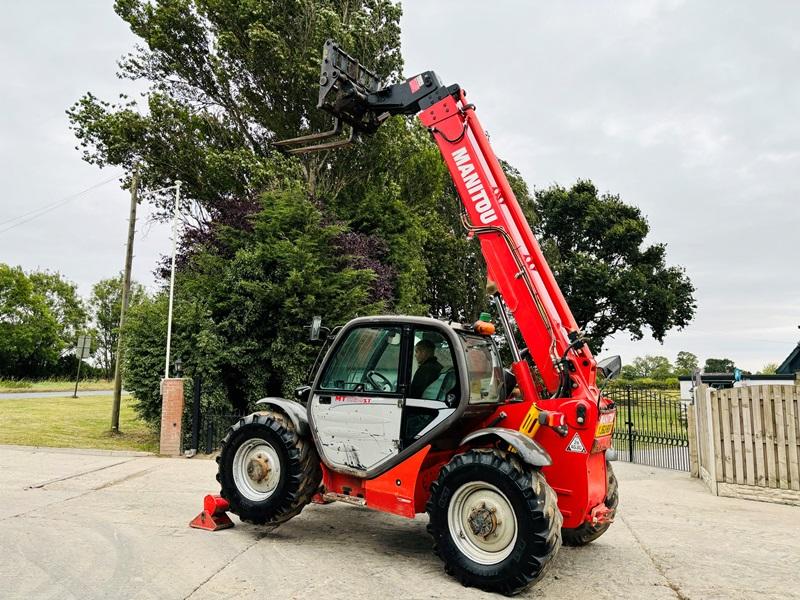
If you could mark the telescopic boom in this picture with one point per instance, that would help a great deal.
(527, 289)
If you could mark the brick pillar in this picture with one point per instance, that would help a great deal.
(171, 417)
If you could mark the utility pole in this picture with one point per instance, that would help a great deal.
(126, 292)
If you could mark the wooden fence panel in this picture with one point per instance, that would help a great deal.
(794, 438)
(716, 445)
(780, 426)
(769, 434)
(726, 443)
(747, 436)
(749, 441)
(738, 444)
(758, 438)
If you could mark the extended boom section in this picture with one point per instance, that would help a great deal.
(513, 257)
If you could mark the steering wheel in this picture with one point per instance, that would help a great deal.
(384, 384)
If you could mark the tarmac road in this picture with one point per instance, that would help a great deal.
(80, 524)
(64, 394)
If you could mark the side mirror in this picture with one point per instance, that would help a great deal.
(610, 367)
(316, 325)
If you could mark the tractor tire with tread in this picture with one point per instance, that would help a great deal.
(587, 533)
(494, 473)
(300, 472)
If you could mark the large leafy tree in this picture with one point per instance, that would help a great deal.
(242, 304)
(654, 367)
(225, 80)
(64, 303)
(105, 304)
(595, 244)
(30, 341)
(686, 363)
(719, 365)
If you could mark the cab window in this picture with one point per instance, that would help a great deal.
(367, 361)
(433, 374)
(484, 370)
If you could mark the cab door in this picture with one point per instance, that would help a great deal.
(356, 409)
(433, 391)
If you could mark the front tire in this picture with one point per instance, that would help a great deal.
(495, 521)
(266, 471)
(587, 533)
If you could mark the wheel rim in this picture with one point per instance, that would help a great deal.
(256, 469)
(482, 523)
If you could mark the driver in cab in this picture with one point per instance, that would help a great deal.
(428, 368)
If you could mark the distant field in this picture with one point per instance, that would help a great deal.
(73, 423)
(21, 385)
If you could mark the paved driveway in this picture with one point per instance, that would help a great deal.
(99, 525)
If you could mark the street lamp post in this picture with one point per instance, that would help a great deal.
(178, 184)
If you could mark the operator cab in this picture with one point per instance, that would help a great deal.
(389, 385)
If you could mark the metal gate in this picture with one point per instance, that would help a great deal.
(651, 428)
(204, 426)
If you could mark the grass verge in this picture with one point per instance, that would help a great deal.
(73, 423)
(23, 385)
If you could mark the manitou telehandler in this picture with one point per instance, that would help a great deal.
(410, 414)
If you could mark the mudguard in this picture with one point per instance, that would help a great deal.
(294, 410)
(528, 450)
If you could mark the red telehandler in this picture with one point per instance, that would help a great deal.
(409, 414)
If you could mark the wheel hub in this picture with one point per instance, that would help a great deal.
(258, 468)
(483, 520)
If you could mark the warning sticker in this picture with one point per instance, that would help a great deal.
(415, 83)
(576, 445)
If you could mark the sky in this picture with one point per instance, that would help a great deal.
(687, 110)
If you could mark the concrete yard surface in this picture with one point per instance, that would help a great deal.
(111, 525)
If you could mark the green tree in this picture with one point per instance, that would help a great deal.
(769, 369)
(145, 338)
(612, 280)
(686, 363)
(64, 303)
(719, 365)
(242, 306)
(654, 367)
(226, 80)
(106, 304)
(30, 341)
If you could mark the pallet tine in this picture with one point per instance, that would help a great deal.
(327, 146)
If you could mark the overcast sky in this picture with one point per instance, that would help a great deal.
(686, 109)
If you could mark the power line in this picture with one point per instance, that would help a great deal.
(43, 210)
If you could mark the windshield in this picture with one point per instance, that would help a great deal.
(484, 370)
(367, 361)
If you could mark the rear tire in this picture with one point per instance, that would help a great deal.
(586, 533)
(494, 520)
(266, 471)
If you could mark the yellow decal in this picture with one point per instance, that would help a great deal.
(606, 424)
(530, 424)
(604, 429)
